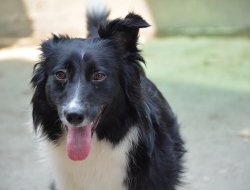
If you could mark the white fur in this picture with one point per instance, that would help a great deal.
(74, 102)
(103, 169)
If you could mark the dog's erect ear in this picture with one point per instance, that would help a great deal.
(125, 34)
(124, 31)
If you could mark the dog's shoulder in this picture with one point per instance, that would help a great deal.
(153, 96)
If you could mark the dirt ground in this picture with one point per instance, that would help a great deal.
(207, 83)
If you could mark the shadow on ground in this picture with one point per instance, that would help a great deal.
(211, 119)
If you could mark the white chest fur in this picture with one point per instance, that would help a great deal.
(103, 169)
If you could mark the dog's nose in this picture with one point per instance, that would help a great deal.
(74, 116)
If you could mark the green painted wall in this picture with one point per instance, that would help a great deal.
(201, 16)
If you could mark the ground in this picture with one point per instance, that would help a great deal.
(207, 83)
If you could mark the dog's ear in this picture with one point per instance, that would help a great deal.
(124, 31)
(47, 48)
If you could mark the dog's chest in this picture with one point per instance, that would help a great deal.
(105, 168)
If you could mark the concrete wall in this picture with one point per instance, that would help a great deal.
(201, 16)
(14, 21)
(37, 19)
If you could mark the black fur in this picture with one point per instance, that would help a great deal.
(130, 99)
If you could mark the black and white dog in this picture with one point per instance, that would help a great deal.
(105, 125)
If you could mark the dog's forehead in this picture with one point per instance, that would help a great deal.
(72, 48)
(86, 49)
(79, 55)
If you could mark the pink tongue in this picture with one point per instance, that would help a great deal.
(78, 142)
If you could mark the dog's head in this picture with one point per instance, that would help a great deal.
(78, 79)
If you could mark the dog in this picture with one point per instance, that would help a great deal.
(104, 125)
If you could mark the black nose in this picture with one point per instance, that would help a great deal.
(74, 116)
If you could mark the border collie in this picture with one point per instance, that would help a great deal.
(105, 125)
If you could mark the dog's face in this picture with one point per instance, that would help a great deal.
(83, 78)
(79, 80)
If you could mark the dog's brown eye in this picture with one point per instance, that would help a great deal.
(61, 75)
(99, 76)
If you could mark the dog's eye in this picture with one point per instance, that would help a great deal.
(99, 76)
(61, 75)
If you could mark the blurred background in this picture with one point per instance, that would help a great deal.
(197, 53)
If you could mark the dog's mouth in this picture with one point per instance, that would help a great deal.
(79, 139)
